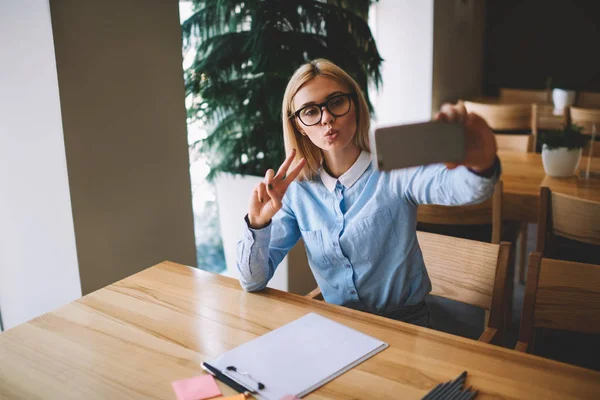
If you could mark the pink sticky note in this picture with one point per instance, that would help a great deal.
(196, 388)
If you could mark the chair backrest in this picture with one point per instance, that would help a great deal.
(503, 117)
(566, 216)
(524, 96)
(488, 212)
(588, 99)
(542, 103)
(517, 143)
(587, 118)
(508, 117)
(545, 118)
(468, 271)
(560, 295)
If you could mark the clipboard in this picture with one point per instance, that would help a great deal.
(296, 358)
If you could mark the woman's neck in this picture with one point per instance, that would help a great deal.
(336, 164)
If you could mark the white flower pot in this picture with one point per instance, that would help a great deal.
(561, 162)
(562, 98)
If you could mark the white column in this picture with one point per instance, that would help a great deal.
(403, 31)
(433, 53)
(38, 261)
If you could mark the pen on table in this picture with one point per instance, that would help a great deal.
(468, 395)
(447, 389)
(458, 386)
(225, 379)
(436, 390)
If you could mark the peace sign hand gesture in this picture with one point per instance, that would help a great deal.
(267, 196)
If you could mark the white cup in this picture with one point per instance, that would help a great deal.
(562, 98)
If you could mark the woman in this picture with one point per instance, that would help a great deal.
(358, 224)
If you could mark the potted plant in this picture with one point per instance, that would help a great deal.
(561, 150)
(246, 52)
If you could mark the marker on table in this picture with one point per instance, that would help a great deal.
(226, 380)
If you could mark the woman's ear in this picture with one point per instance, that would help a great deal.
(299, 128)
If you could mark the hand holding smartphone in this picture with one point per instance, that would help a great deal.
(409, 145)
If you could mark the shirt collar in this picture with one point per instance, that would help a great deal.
(349, 177)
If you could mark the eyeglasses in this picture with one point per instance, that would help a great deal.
(339, 105)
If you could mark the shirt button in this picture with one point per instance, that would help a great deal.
(353, 292)
(335, 244)
(348, 266)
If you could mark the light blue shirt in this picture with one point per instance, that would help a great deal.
(360, 232)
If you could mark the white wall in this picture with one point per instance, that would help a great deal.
(403, 31)
(38, 262)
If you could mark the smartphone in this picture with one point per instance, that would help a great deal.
(402, 146)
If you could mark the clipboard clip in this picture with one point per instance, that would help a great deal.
(260, 385)
(227, 380)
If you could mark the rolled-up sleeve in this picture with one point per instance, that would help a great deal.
(261, 250)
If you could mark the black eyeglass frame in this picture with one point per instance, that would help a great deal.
(350, 96)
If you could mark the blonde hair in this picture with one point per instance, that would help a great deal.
(292, 137)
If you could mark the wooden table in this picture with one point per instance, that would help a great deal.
(131, 339)
(523, 175)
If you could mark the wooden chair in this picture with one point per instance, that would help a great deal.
(525, 96)
(487, 213)
(464, 221)
(559, 295)
(545, 118)
(561, 215)
(588, 100)
(587, 118)
(503, 117)
(467, 271)
(541, 100)
(507, 117)
(517, 143)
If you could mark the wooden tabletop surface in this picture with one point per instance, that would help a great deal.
(133, 338)
(523, 175)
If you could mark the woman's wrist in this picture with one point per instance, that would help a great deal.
(486, 171)
(256, 223)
